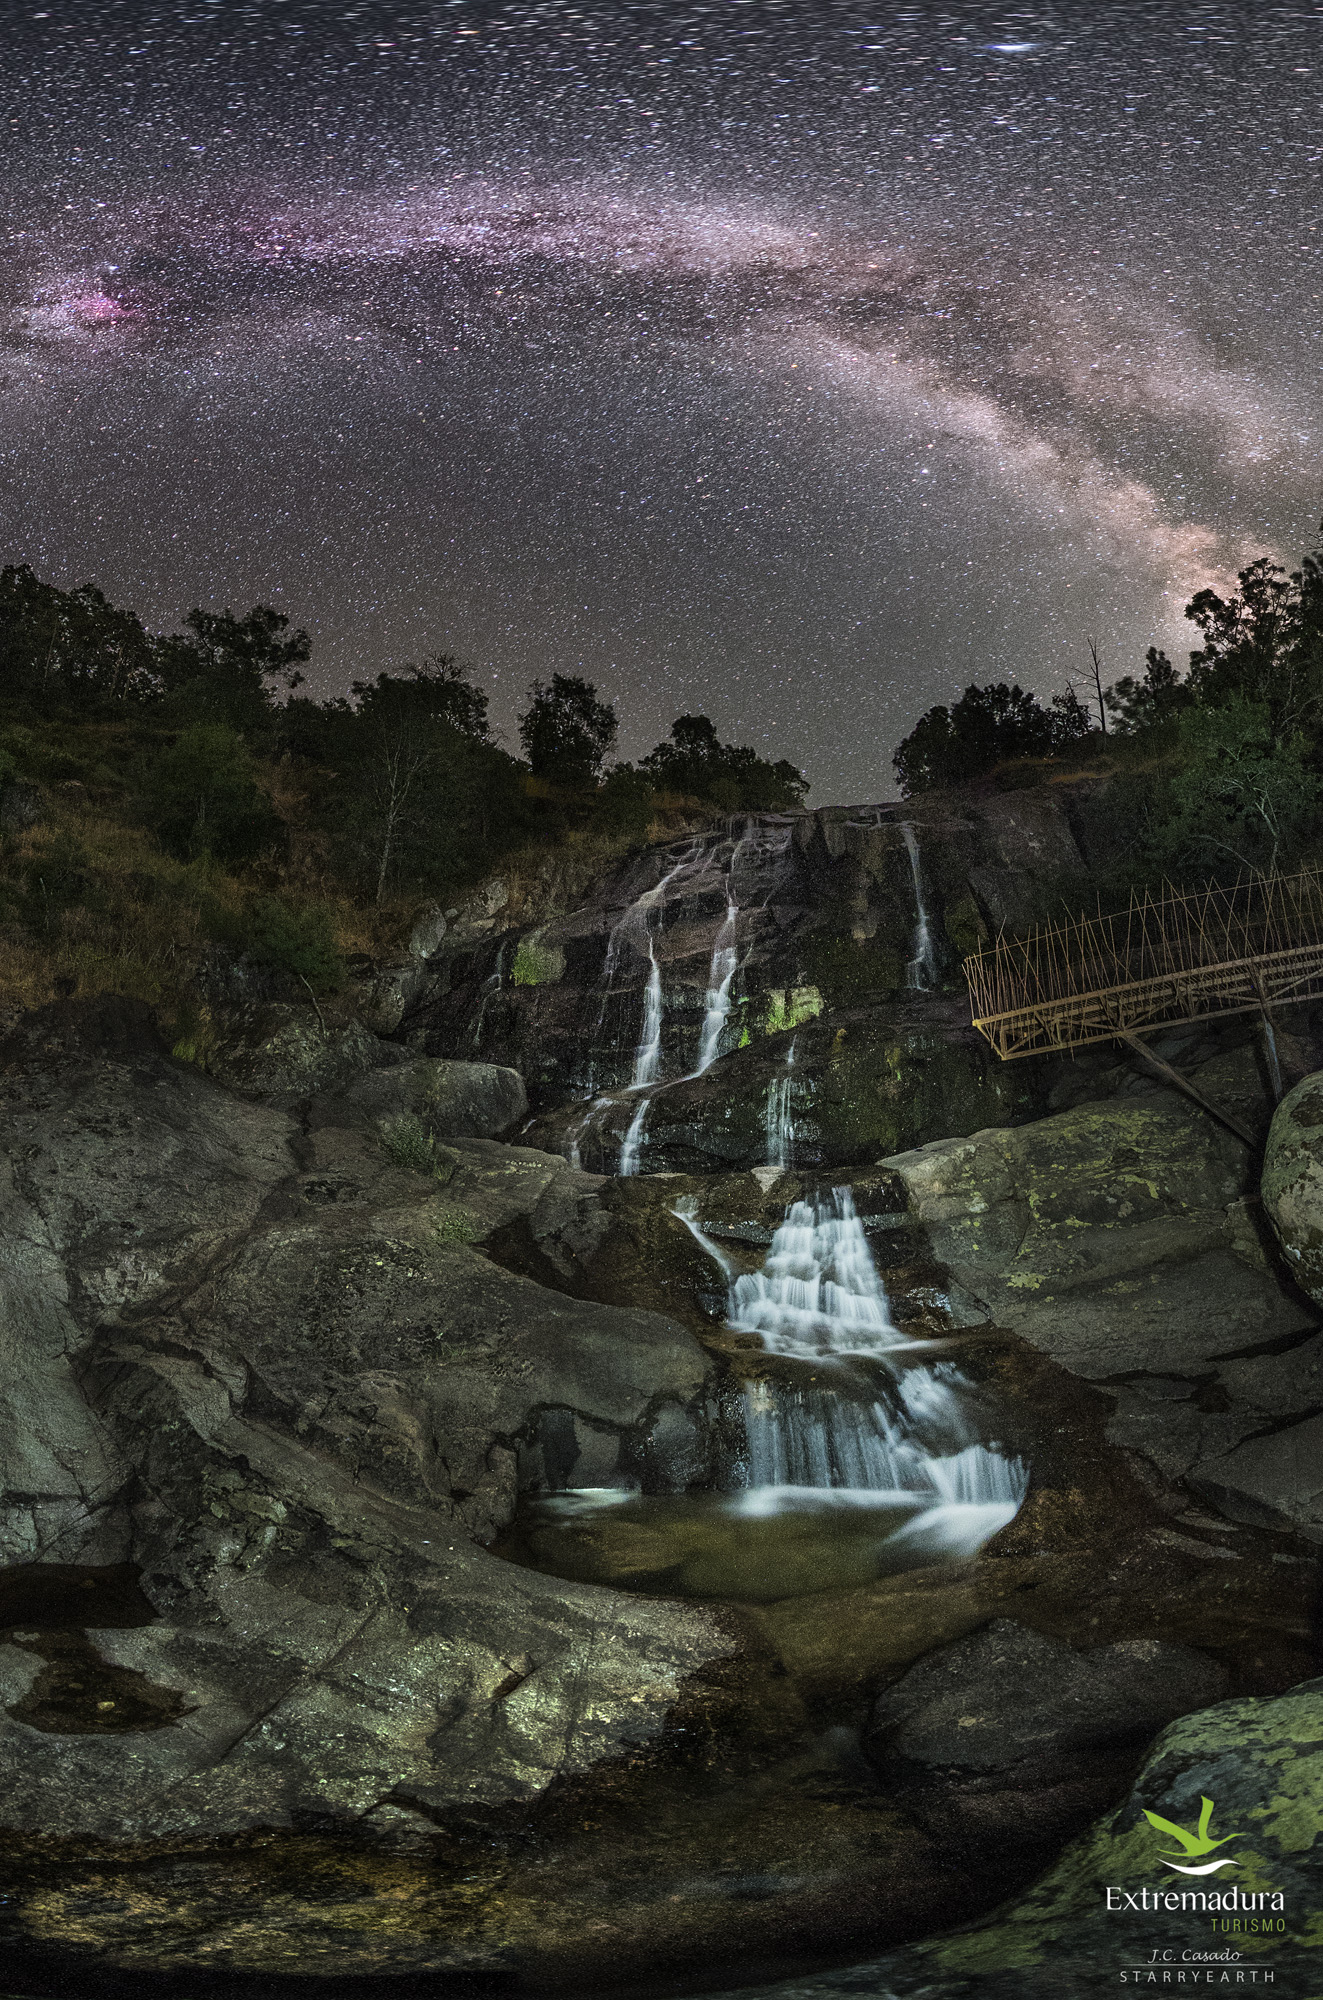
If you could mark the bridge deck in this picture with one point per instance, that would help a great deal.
(1188, 956)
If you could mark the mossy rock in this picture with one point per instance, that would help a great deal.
(1260, 1762)
(1293, 1181)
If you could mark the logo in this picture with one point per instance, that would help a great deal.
(1193, 1845)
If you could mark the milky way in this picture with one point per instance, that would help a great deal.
(797, 362)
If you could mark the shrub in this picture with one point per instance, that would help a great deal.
(408, 1142)
(201, 796)
(301, 940)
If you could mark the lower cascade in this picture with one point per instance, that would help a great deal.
(860, 1458)
(819, 1298)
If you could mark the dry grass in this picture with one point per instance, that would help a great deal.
(90, 903)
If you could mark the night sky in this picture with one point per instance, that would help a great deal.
(796, 361)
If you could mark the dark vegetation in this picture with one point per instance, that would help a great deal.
(1209, 772)
(171, 802)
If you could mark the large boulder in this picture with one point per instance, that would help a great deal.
(450, 1100)
(1292, 1181)
(1118, 1238)
(1111, 1902)
(1021, 1705)
(284, 1051)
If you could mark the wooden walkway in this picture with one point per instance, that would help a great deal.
(1186, 956)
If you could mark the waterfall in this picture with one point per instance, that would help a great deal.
(764, 844)
(718, 988)
(921, 972)
(906, 1443)
(748, 851)
(635, 928)
(579, 1129)
(818, 1291)
(647, 1056)
(491, 984)
(778, 1122)
(632, 1144)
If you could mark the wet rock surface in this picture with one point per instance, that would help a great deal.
(1119, 1238)
(284, 1358)
(1261, 1763)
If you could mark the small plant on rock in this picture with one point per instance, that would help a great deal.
(409, 1143)
(453, 1226)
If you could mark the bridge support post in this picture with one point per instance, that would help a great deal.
(1183, 1083)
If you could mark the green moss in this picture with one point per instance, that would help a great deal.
(965, 926)
(537, 964)
(791, 1008)
(454, 1226)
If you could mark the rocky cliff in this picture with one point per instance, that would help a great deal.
(301, 1674)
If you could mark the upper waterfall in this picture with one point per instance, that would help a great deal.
(921, 971)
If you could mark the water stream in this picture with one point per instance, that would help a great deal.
(751, 850)
(861, 1458)
(778, 1120)
(921, 972)
(819, 1298)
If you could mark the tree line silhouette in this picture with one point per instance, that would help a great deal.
(1215, 768)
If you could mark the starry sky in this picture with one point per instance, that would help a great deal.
(799, 361)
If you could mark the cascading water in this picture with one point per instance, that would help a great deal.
(860, 1459)
(632, 1144)
(756, 844)
(778, 1120)
(647, 1056)
(819, 1298)
(491, 984)
(722, 972)
(921, 972)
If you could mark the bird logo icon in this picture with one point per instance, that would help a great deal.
(1193, 1845)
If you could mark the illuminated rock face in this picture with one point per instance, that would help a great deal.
(1293, 1181)
(265, 1398)
(280, 1364)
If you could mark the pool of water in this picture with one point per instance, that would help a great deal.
(756, 1546)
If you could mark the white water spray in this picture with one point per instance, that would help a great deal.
(778, 1119)
(718, 989)
(647, 1056)
(759, 843)
(910, 1447)
(921, 972)
(632, 1144)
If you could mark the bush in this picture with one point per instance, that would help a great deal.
(202, 797)
(298, 940)
(409, 1143)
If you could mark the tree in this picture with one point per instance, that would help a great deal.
(1264, 643)
(566, 731)
(229, 667)
(438, 690)
(695, 763)
(57, 643)
(1095, 676)
(1155, 697)
(1244, 794)
(1070, 718)
(394, 772)
(202, 797)
(951, 746)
